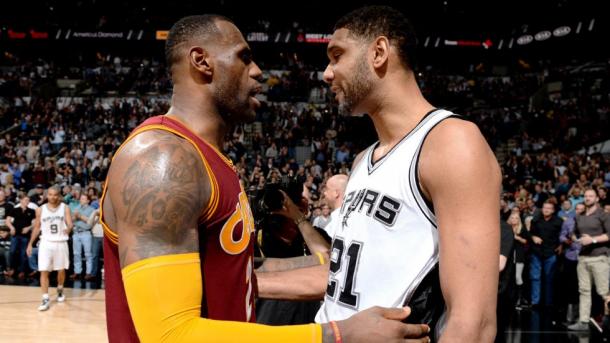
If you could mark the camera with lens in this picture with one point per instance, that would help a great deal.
(279, 236)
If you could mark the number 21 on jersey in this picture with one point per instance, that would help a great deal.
(344, 258)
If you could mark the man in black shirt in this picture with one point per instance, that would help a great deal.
(544, 235)
(20, 222)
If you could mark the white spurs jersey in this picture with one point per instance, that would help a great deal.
(385, 244)
(53, 224)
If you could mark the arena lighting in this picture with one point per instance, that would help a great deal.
(39, 34)
(486, 44)
(543, 35)
(317, 37)
(15, 34)
(257, 37)
(525, 39)
(562, 31)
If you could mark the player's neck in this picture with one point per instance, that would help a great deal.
(398, 111)
(199, 115)
(52, 206)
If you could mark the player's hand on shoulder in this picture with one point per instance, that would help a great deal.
(380, 324)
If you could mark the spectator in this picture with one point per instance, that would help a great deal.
(603, 196)
(82, 238)
(539, 196)
(505, 210)
(20, 223)
(514, 220)
(571, 249)
(566, 211)
(575, 196)
(5, 252)
(322, 220)
(97, 232)
(5, 209)
(592, 228)
(544, 235)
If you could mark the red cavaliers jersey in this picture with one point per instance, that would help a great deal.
(226, 235)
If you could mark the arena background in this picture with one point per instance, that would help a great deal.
(534, 75)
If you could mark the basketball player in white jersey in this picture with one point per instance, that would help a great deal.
(54, 223)
(420, 212)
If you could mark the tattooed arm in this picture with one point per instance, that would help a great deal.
(161, 190)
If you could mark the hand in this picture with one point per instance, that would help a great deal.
(28, 250)
(13, 232)
(537, 240)
(26, 229)
(379, 324)
(586, 240)
(289, 210)
(559, 250)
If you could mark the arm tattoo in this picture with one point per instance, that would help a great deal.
(163, 193)
(282, 264)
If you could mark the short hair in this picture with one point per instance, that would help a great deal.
(92, 189)
(591, 190)
(55, 188)
(186, 29)
(372, 21)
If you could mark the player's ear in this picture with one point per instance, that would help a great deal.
(381, 51)
(200, 60)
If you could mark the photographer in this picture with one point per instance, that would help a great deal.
(283, 248)
(311, 282)
(333, 196)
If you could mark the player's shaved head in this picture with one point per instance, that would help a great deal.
(187, 29)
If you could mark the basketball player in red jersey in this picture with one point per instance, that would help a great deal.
(178, 228)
